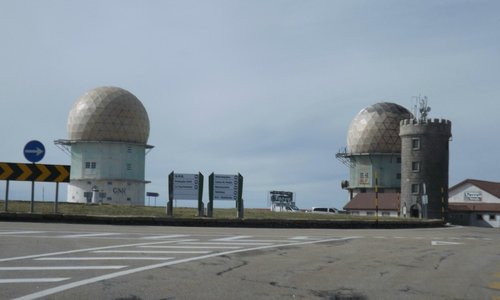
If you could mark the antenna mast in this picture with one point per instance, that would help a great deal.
(424, 109)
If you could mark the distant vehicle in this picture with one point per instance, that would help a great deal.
(292, 208)
(325, 210)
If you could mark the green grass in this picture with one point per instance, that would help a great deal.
(179, 212)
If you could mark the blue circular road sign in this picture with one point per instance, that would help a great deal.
(34, 151)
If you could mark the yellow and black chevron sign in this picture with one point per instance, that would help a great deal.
(34, 172)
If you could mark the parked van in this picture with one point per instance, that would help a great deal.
(325, 210)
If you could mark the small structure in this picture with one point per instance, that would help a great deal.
(475, 203)
(282, 201)
(365, 204)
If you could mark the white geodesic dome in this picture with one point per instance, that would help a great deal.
(108, 114)
(375, 129)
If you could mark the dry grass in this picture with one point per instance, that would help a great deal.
(179, 212)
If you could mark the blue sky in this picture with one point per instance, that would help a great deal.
(263, 88)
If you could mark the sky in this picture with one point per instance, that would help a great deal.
(264, 88)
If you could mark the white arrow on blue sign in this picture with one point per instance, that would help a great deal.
(34, 151)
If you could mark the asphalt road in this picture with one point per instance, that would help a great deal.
(69, 261)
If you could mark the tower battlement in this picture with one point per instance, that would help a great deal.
(427, 126)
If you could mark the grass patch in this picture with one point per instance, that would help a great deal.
(179, 212)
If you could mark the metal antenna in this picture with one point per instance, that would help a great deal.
(424, 109)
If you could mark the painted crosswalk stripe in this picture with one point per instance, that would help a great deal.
(64, 287)
(152, 251)
(86, 250)
(48, 268)
(19, 232)
(71, 236)
(33, 280)
(266, 241)
(170, 236)
(105, 258)
(232, 238)
(226, 243)
(191, 247)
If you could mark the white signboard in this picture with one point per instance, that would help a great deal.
(225, 187)
(473, 196)
(186, 186)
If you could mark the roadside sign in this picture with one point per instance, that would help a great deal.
(34, 172)
(186, 186)
(183, 186)
(34, 151)
(225, 187)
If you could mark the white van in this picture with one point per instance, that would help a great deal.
(325, 210)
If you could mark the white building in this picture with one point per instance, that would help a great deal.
(475, 202)
(108, 129)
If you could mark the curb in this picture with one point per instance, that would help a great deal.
(209, 222)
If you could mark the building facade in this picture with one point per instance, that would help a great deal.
(373, 152)
(424, 167)
(475, 203)
(108, 129)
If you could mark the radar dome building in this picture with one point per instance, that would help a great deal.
(398, 163)
(373, 152)
(108, 129)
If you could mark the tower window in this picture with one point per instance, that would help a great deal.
(415, 188)
(415, 144)
(398, 160)
(93, 165)
(129, 167)
(415, 166)
(129, 149)
(398, 176)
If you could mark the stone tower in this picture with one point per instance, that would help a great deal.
(424, 167)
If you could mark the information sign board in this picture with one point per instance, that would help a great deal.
(186, 186)
(225, 187)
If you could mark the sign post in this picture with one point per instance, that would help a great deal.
(184, 186)
(225, 187)
(33, 151)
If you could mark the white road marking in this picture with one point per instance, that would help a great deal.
(266, 241)
(191, 247)
(61, 268)
(105, 258)
(74, 236)
(170, 236)
(152, 251)
(232, 238)
(19, 232)
(299, 238)
(443, 243)
(33, 280)
(88, 250)
(226, 243)
(380, 237)
(71, 285)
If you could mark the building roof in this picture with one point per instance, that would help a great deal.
(108, 114)
(471, 207)
(375, 129)
(487, 186)
(366, 201)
